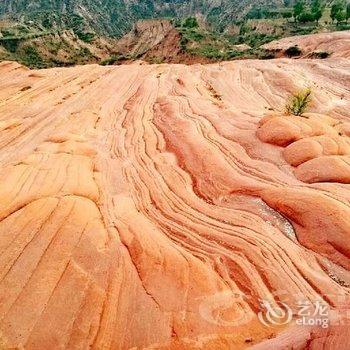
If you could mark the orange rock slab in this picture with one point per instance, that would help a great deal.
(154, 207)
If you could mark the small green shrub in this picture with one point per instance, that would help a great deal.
(293, 51)
(193, 35)
(110, 61)
(6, 32)
(299, 102)
(156, 60)
(32, 58)
(265, 54)
(211, 52)
(85, 36)
(320, 54)
(190, 22)
(10, 44)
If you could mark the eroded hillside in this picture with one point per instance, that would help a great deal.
(155, 206)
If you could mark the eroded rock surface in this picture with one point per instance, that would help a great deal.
(336, 44)
(153, 207)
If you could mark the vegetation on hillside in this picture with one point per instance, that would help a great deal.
(211, 37)
(261, 25)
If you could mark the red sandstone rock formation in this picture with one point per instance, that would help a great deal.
(337, 44)
(153, 207)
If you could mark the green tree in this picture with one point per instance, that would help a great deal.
(348, 11)
(340, 16)
(287, 14)
(317, 9)
(306, 17)
(338, 11)
(298, 9)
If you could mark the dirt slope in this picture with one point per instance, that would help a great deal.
(153, 206)
(155, 41)
(147, 35)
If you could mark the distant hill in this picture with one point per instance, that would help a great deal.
(47, 33)
(116, 17)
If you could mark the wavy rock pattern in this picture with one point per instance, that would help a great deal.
(139, 209)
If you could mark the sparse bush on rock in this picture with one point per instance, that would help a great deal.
(299, 102)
